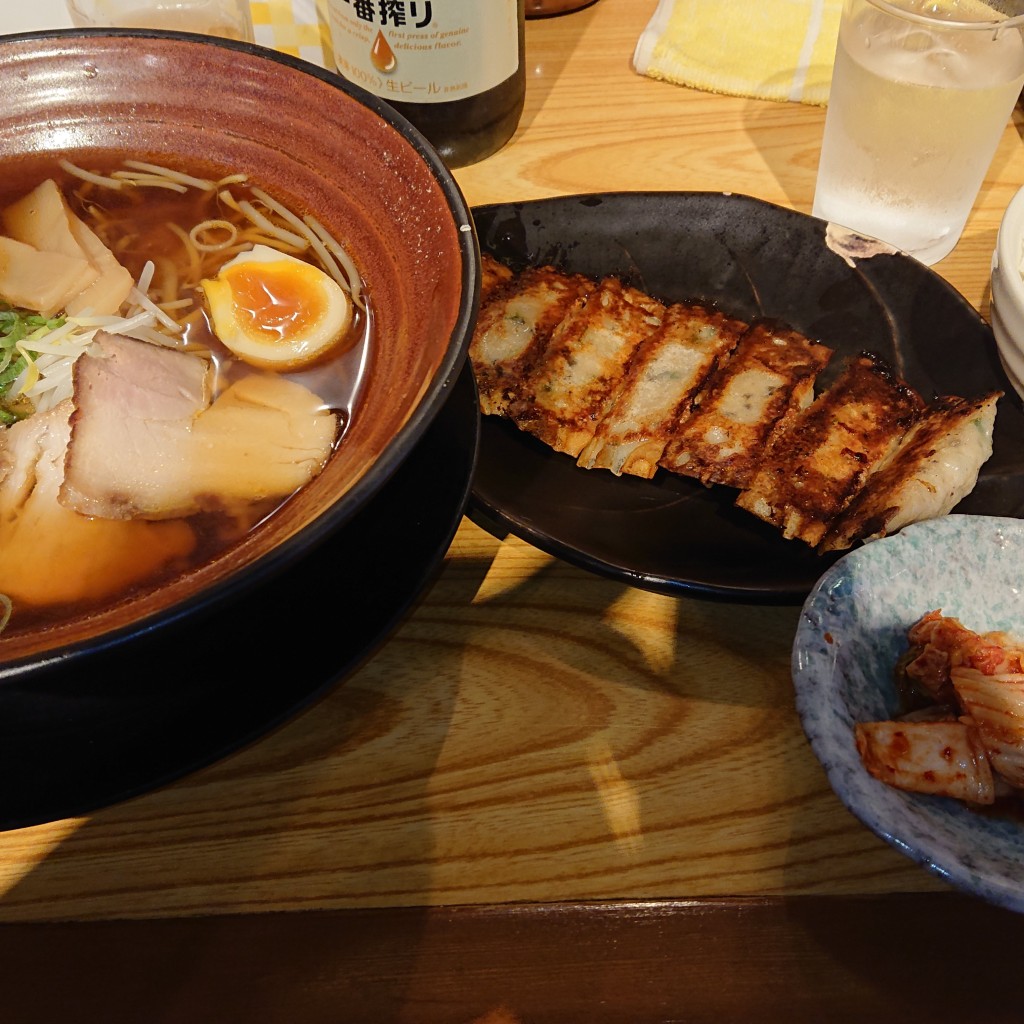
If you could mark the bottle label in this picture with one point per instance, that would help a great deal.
(425, 51)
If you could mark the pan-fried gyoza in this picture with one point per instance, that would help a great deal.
(621, 381)
(824, 453)
(563, 396)
(765, 380)
(667, 368)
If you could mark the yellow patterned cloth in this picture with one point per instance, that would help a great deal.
(771, 49)
(296, 27)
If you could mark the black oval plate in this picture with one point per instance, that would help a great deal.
(751, 259)
(81, 735)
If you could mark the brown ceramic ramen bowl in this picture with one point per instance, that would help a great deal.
(316, 144)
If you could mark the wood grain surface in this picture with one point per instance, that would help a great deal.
(531, 733)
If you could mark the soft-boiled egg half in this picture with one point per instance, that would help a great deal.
(276, 311)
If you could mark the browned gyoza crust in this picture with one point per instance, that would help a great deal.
(665, 372)
(493, 276)
(604, 372)
(770, 375)
(563, 399)
(823, 455)
(926, 475)
(513, 329)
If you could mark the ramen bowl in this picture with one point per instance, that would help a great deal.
(318, 146)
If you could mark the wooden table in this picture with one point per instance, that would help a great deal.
(547, 796)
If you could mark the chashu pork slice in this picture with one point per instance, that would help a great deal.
(933, 469)
(52, 555)
(665, 373)
(134, 406)
(145, 442)
(769, 376)
(822, 457)
(513, 329)
(565, 397)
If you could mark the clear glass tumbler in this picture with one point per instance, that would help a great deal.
(921, 93)
(230, 19)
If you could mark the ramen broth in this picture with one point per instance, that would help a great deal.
(143, 224)
(139, 226)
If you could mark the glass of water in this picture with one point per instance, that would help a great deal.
(230, 19)
(921, 93)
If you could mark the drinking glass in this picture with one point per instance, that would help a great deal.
(921, 92)
(228, 18)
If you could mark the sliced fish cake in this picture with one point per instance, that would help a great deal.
(770, 374)
(822, 457)
(564, 398)
(666, 371)
(934, 467)
(513, 330)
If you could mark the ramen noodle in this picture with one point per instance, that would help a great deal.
(178, 355)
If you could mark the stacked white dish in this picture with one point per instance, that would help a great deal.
(1007, 308)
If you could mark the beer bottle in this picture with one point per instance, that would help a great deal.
(454, 68)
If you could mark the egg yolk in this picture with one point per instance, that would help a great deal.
(276, 311)
(276, 300)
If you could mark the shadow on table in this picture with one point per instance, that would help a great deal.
(313, 808)
(361, 797)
